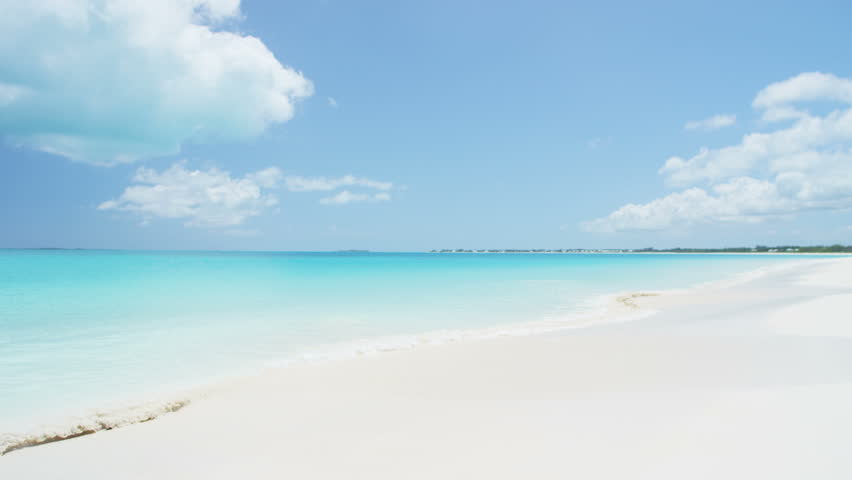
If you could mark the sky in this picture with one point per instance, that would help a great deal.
(410, 125)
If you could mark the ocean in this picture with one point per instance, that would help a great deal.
(84, 329)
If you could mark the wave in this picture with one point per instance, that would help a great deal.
(600, 310)
(595, 311)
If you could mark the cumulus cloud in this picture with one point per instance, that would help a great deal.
(803, 165)
(711, 123)
(809, 134)
(211, 198)
(114, 81)
(215, 198)
(295, 183)
(743, 199)
(345, 197)
(805, 87)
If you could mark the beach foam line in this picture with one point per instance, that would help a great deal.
(618, 307)
(598, 310)
(97, 422)
(609, 308)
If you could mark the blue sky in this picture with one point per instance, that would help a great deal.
(328, 125)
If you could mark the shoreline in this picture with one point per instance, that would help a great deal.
(613, 307)
(464, 371)
(598, 309)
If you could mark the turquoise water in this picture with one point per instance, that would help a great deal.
(82, 329)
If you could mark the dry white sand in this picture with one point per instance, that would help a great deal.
(748, 380)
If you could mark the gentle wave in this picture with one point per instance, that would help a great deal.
(600, 310)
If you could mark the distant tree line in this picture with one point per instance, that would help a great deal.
(837, 248)
(757, 249)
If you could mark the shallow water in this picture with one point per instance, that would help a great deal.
(83, 329)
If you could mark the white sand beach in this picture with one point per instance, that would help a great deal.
(749, 379)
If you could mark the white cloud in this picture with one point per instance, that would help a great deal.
(267, 178)
(804, 87)
(779, 114)
(113, 81)
(743, 199)
(806, 165)
(213, 198)
(812, 135)
(210, 198)
(346, 197)
(809, 134)
(332, 102)
(296, 183)
(711, 123)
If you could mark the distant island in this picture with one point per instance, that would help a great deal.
(756, 249)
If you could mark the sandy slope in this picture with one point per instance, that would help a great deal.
(751, 380)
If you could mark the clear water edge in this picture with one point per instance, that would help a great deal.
(88, 332)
